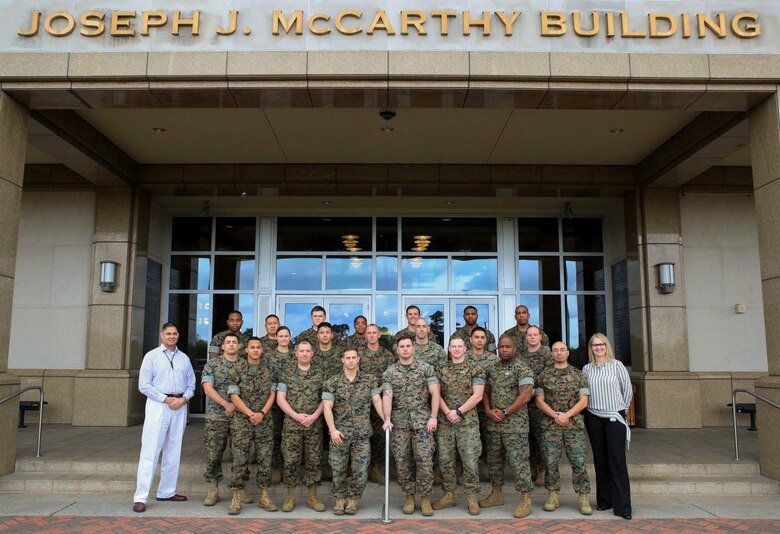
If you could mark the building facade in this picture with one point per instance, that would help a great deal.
(233, 155)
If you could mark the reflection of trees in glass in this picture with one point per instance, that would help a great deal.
(437, 326)
(249, 332)
(340, 331)
(201, 348)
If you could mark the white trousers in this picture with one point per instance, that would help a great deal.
(163, 431)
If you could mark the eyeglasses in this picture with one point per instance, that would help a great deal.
(598, 345)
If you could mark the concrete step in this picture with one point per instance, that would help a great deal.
(83, 478)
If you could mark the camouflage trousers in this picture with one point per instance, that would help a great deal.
(571, 440)
(377, 440)
(278, 416)
(243, 435)
(215, 437)
(413, 451)
(512, 446)
(358, 450)
(299, 442)
(462, 442)
(535, 436)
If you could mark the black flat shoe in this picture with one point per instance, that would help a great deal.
(627, 517)
(602, 508)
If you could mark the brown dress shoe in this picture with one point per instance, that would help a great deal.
(174, 498)
(139, 507)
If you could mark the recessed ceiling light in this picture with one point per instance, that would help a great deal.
(386, 129)
(616, 130)
(158, 129)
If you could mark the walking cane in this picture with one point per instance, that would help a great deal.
(386, 507)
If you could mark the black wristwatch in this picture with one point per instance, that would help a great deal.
(504, 412)
(460, 414)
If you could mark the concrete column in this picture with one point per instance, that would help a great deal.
(106, 390)
(13, 144)
(658, 321)
(765, 156)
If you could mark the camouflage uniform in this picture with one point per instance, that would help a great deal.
(218, 339)
(277, 362)
(411, 442)
(328, 360)
(351, 409)
(538, 361)
(268, 344)
(355, 343)
(562, 389)
(310, 335)
(254, 385)
(465, 334)
(401, 332)
(483, 360)
(432, 353)
(519, 336)
(304, 391)
(217, 372)
(462, 440)
(509, 437)
(375, 363)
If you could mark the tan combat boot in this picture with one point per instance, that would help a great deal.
(409, 504)
(245, 497)
(473, 504)
(338, 508)
(496, 498)
(313, 501)
(235, 504)
(289, 503)
(524, 508)
(552, 501)
(425, 506)
(265, 501)
(447, 501)
(583, 505)
(351, 508)
(212, 497)
(376, 474)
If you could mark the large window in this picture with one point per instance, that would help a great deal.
(561, 278)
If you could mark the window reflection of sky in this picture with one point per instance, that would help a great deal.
(204, 272)
(203, 325)
(424, 273)
(474, 274)
(344, 314)
(387, 313)
(299, 273)
(348, 273)
(386, 273)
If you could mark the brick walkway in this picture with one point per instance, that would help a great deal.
(84, 525)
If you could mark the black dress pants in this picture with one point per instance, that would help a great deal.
(608, 441)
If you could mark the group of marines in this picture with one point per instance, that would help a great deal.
(444, 407)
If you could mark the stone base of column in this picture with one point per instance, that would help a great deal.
(9, 418)
(768, 421)
(667, 400)
(107, 398)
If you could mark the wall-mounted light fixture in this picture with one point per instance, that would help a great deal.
(108, 276)
(666, 277)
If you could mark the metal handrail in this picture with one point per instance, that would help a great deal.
(386, 507)
(734, 413)
(40, 417)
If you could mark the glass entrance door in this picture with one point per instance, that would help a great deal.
(295, 312)
(445, 314)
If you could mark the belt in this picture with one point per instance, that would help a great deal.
(174, 395)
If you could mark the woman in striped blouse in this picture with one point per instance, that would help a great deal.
(605, 420)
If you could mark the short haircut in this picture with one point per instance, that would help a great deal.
(324, 324)
(412, 307)
(470, 308)
(272, 315)
(521, 306)
(359, 317)
(405, 336)
(479, 329)
(254, 338)
(301, 343)
(533, 326)
(231, 334)
(236, 311)
(169, 325)
(318, 309)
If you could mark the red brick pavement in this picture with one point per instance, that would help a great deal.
(87, 525)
